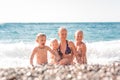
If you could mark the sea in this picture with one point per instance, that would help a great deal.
(17, 41)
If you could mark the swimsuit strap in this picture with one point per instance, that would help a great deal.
(68, 50)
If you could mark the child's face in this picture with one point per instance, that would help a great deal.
(42, 40)
(79, 36)
(55, 44)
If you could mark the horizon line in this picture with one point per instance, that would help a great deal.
(56, 22)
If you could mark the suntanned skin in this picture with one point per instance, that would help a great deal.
(80, 47)
(66, 58)
(40, 51)
(55, 58)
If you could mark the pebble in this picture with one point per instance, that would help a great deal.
(59, 72)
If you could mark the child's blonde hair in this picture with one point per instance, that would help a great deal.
(52, 40)
(79, 31)
(39, 35)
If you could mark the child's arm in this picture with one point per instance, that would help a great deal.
(84, 54)
(51, 51)
(32, 55)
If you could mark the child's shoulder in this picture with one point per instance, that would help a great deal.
(83, 44)
(47, 47)
(35, 48)
(70, 42)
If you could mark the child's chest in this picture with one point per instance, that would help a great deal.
(42, 52)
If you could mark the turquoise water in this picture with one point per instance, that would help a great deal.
(17, 41)
(26, 32)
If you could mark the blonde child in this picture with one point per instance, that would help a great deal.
(41, 50)
(80, 48)
(54, 45)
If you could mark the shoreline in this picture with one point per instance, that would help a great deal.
(59, 72)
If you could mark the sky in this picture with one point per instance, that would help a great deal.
(59, 11)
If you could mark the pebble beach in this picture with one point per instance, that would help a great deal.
(60, 72)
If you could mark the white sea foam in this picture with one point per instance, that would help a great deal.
(103, 52)
(17, 54)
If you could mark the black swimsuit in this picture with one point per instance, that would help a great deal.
(67, 51)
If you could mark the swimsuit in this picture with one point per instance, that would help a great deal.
(67, 51)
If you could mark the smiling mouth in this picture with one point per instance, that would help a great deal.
(43, 43)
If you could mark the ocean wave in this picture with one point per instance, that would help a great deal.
(103, 52)
(97, 52)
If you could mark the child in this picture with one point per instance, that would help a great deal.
(80, 48)
(41, 50)
(54, 45)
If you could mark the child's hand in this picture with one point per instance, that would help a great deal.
(58, 58)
